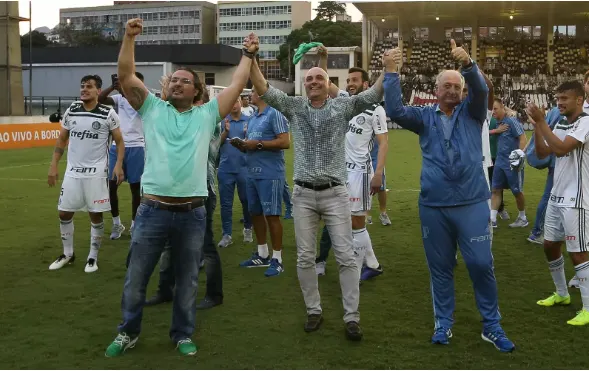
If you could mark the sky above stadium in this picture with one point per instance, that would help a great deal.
(46, 13)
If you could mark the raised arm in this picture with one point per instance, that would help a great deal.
(273, 97)
(133, 88)
(489, 83)
(409, 118)
(104, 98)
(226, 99)
(322, 53)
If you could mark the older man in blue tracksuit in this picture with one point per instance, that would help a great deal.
(453, 203)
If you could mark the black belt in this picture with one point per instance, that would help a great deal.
(183, 207)
(317, 187)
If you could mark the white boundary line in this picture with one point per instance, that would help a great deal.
(19, 166)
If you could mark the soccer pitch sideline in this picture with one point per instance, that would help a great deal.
(65, 319)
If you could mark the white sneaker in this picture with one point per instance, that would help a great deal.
(384, 219)
(117, 231)
(574, 282)
(91, 266)
(320, 268)
(225, 241)
(504, 215)
(368, 220)
(519, 223)
(248, 235)
(61, 261)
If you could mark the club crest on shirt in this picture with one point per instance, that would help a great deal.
(96, 125)
(360, 120)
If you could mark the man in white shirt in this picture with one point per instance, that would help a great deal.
(246, 109)
(132, 129)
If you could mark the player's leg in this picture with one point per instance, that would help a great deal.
(242, 194)
(186, 239)
(270, 192)
(334, 204)
(324, 247)
(117, 227)
(96, 194)
(260, 257)
(134, 165)
(71, 199)
(227, 182)
(501, 210)
(498, 183)
(577, 237)
(554, 235)
(152, 229)
(474, 240)
(367, 262)
(382, 201)
(439, 242)
(287, 201)
(536, 233)
(214, 293)
(306, 221)
(516, 184)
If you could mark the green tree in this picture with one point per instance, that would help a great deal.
(38, 39)
(327, 10)
(330, 34)
(89, 34)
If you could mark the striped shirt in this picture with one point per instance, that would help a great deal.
(214, 146)
(319, 133)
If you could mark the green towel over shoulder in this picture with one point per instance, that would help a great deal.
(303, 49)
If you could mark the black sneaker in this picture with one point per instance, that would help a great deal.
(208, 303)
(353, 331)
(158, 298)
(313, 322)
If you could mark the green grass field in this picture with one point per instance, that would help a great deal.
(66, 319)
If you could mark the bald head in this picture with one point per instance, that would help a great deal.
(317, 84)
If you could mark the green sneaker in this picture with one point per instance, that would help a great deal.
(121, 343)
(186, 347)
(555, 299)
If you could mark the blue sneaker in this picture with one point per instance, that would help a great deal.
(494, 224)
(288, 214)
(274, 269)
(499, 340)
(255, 261)
(442, 335)
(368, 273)
(536, 238)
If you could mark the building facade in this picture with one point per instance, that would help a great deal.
(174, 22)
(272, 21)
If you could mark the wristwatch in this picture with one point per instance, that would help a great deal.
(260, 145)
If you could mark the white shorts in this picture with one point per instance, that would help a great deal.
(359, 189)
(84, 194)
(567, 224)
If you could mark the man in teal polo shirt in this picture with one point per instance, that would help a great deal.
(174, 187)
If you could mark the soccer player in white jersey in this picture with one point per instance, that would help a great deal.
(90, 127)
(568, 207)
(363, 180)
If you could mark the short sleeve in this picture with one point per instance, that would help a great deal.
(581, 132)
(65, 120)
(113, 120)
(211, 111)
(279, 123)
(150, 101)
(116, 98)
(379, 121)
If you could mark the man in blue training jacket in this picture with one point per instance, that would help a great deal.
(453, 204)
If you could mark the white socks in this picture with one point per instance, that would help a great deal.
(96, 233)
(493, 215)
(116, 220)
(66, 228)
(522, 215)
(557, 271)
(359, 245)
(582, 271)
(263, 251)
(369, 258)
(277, 255)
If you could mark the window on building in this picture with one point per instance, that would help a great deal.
(209, 79)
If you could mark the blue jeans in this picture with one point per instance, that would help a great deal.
(211, 256)
(153, 228)
(227, 184)
(445, 228)
(543, 204)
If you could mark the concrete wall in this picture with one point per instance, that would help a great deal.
(11, 91)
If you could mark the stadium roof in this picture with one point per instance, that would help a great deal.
(200, 54)
(420, 13)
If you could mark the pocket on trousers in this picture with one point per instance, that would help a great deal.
(296, 191)
(199, 214)
(144, 210)
(341, 191)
